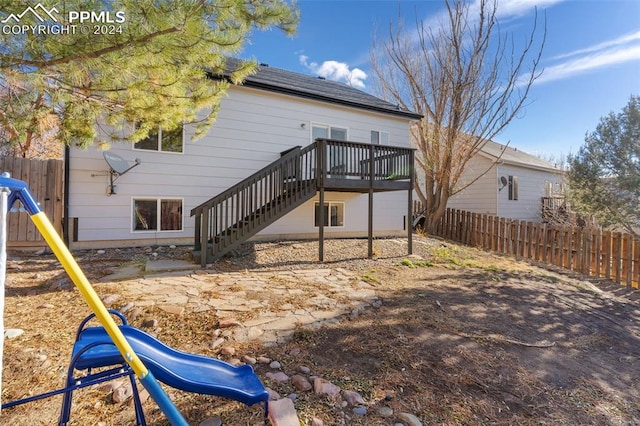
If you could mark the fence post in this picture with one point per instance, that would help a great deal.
(617, 257)
(635, 282)
(628, 257)
(597, 255)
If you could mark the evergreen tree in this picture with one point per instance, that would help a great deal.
(604, 176)
(142, 62)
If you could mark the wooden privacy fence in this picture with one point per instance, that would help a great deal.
(590, 251)
(45, 179)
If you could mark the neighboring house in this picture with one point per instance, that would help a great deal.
(513, 187)
(271, 115)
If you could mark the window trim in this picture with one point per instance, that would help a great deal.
(380, 138)
(159, 143)
(158, 201)
(513, 188)
(328, 127)
(329, 203)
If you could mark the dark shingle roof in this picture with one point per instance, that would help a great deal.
(317, 88)
(513, 156)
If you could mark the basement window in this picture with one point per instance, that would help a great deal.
(157, 214)
(333, 214)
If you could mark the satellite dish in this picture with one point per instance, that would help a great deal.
(118, 164)
(117, 167)
(503, 182)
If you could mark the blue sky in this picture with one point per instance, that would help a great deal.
(591, 59)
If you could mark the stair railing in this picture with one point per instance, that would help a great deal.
(252, 204)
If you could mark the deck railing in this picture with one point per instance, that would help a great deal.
(354, 160)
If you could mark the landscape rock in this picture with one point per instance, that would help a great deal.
(316, 422)
(409, 419)
(300, 383)
(150, 323)
(278, 377)
(360, 411)
(273, 395)
(304, 369)
(217, 342)
(385, 411)
(110, 386)
(110, 298)
(126, 308)
(228, 350)
(12, 333)
(249, 359)
(283, 413)
(172, 309)
(353, 398)
(324, 387)
(122, 393)
(275, 365)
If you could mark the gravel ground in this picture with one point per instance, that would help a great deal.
(461, 337)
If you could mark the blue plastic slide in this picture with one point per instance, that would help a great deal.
(180, 370)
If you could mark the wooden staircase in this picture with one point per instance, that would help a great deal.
(235, 215)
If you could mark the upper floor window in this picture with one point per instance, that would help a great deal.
(513, 188)
(379, 138)
(163, 141)
(328, 132)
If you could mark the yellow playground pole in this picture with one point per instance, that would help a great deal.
(21, 192)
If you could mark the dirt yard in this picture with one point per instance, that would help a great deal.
(461, 337)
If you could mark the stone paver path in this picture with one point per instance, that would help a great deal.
(259, 305)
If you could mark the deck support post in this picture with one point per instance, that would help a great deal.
(320, 170)
(410, 203)
(371, 178)
(321, 226)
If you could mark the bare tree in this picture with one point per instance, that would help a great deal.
(468, 81)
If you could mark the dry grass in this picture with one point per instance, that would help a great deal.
(450, 343)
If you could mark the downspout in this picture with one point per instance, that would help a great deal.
(66, 221)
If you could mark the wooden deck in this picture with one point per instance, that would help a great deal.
(241, 211)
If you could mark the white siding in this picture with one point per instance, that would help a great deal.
(389, 212)
(252, 128)
(531, 189)
(480, 196)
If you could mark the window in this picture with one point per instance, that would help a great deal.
(513, 188)
(333, 214)
(164, 141)
(157, 214)
(328, 132)
(336, 155)
(379, 138)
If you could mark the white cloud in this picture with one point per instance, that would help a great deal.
(337, 71)
(506, 9)
(625, 39)
(606, 58)
(513, 8)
